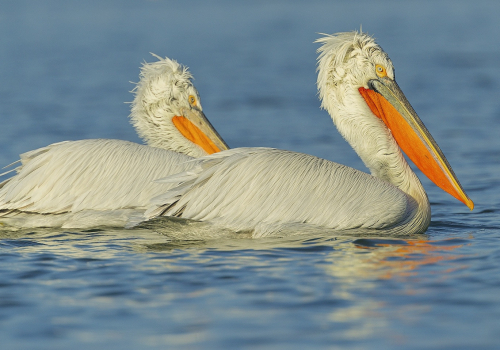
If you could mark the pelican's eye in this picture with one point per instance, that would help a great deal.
(380, 70)
(192, 100)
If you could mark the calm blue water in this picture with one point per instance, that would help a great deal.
(65, 69)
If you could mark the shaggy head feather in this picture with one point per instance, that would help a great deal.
(348, 60)
(163, 90)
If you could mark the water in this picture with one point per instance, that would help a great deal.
(65, 69)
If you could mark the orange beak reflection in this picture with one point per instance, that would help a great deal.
(412, 136)
(400, 258)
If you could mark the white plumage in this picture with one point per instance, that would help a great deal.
(267, 190)
(109, 175)
(91, 174)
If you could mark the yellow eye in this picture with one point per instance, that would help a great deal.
(192, 100)
(380, 70)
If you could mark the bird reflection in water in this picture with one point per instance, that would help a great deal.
(388, 258)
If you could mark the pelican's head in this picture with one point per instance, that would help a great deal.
(167, 112)
(349, 61)
(357, 85)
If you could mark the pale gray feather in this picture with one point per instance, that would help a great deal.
(89, 174)
(263, 189)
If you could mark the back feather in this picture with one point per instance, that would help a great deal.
(264, 189)
(89, 174)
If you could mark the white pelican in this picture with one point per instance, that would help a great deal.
(112, 175)
(268, 190)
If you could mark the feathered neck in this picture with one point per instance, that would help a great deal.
(340, 75)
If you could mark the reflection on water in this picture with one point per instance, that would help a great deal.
(366, 262)
(350, 288)
(399, 258)
(344, 257)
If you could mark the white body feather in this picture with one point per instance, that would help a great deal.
(266, 190)
(97, 175)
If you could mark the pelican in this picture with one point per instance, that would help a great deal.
(266, 190)
(112, 175)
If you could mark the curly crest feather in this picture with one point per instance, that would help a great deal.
(164, 88)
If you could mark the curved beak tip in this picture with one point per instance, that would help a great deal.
(470, 204)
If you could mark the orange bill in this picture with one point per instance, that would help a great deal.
(194, 134)
(412, 136)
(194, 126)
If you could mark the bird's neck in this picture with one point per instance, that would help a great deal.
(377, 148)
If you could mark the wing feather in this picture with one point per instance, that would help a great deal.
(260, 189)
(89, 174)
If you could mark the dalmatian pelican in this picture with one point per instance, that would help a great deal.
(265, 190)
(82, 181)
